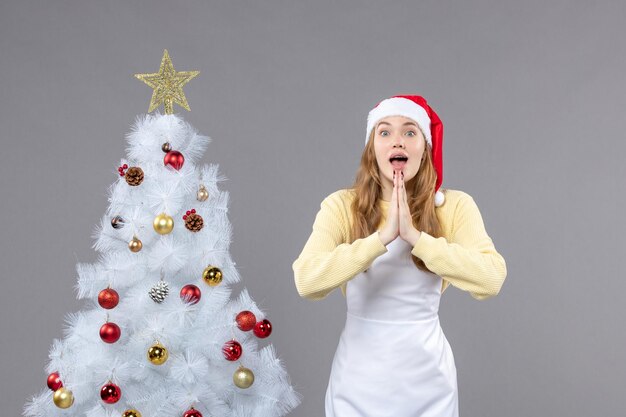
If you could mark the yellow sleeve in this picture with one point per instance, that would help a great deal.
(327, 261)
(469, 260)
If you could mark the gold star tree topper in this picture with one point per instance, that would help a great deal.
(168, 85)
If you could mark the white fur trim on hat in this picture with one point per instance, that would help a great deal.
(439, 198)
(399, 106)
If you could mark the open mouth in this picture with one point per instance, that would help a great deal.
(398, 162)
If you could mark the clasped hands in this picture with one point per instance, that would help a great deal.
(399, 221)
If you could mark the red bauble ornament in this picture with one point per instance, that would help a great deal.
(263, 328)
(232, 350)
(246, 320)
(54, 381)
(174, 159)
(108, 298)
(190, 294)
(110, 393)
(192, 412)
(110, 332)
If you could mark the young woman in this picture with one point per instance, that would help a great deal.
(393, 243)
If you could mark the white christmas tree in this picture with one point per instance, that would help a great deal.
(160, 335)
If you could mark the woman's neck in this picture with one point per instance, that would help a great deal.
(387, 193)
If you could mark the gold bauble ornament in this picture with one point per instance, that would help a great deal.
(212, 275)
(163, 224)
(63, 398)
(203, 194)
(131, 413)
(135, 245)
(157, 354)
(243, 377)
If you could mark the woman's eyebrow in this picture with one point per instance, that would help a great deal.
(407, 123)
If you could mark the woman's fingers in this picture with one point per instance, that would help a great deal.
(406, 221)
(405, 197)
(394, 194)
(400, 186)
(400, 190)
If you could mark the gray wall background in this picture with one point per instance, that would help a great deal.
(532, 95)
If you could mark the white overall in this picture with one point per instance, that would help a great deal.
(393, 359)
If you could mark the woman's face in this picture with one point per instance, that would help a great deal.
(398, 135)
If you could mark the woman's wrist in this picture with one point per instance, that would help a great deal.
(413, 236)
(383, 238)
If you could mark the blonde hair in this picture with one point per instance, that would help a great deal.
(420, 192)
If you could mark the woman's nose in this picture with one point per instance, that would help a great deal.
(398, 141)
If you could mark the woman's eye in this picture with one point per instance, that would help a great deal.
(412, 133)
(382, 133)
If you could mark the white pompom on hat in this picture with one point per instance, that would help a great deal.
(415, 108)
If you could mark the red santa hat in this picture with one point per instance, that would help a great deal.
(415, 108)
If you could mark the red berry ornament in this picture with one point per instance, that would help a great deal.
(263, 328)
(122, 170)
(110, 393)
(108, 298)
(54, 381)
(110, 332)
(174, 159)
(190, 294)
(246, 320)
(188, 212)
(232, 350)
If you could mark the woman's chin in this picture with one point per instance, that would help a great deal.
(407, 176)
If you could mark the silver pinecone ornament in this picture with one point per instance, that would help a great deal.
(160, 290)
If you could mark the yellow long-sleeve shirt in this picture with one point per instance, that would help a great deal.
(464, 257)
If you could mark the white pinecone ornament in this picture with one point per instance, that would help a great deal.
(160, 290)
